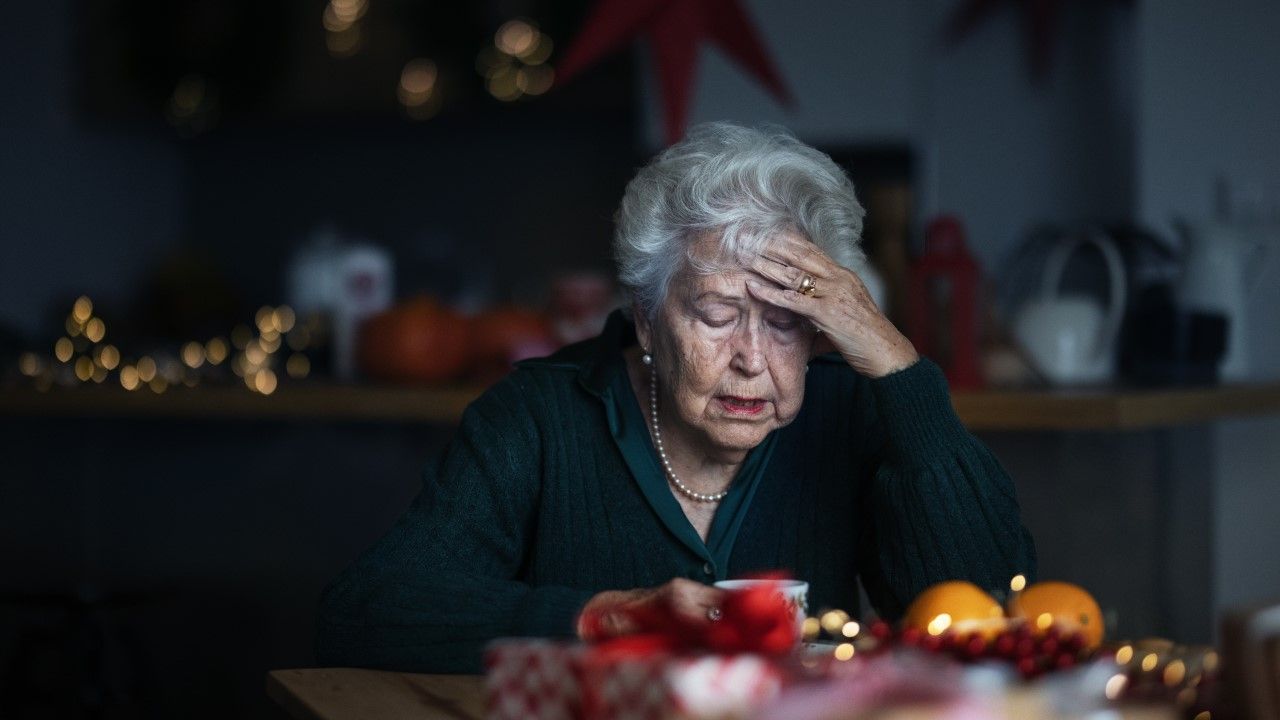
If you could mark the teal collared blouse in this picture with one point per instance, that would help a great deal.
(630, 432)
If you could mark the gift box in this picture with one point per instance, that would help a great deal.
(533, 679)
(673, 668)
(546, 680)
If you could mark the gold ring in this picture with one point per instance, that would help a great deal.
(808, 286)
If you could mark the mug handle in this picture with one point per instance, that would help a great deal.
(1118, 290)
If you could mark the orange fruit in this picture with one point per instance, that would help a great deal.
(1069, 606)
(955, 605)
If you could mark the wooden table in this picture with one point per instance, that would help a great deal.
(350, 694)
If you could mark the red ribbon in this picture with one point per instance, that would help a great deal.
(752, 620)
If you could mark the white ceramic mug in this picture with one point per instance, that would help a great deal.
(795, 592)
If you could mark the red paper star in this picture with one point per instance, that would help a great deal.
(674, 28)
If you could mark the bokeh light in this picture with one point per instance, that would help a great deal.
(516, 37)
(254, 354)
(146, 369)
(193, 355)
(270, 342)
(939, 624)
(216, 351)
(417, 93)
(82, 310)
(95, 330)
(83, 368)
(129, 378)
(30, 364)
(108, 357)
(1115, 686)
(833, 620)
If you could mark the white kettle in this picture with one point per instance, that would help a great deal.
(1220, 266)
(1071, 340)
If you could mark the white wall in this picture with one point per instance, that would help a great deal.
(1210, 107)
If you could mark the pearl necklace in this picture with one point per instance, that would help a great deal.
(662, 453)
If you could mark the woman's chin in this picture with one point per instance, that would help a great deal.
(739, 436)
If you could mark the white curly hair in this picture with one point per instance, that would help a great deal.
(746, 184)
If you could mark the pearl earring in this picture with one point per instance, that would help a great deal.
(647, 359)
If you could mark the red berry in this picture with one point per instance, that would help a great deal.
(1053, 631)
(975, 647)
(1064, 661)
(931, 643)
(1005, 645)
(910, 636)
(1027, 667)
(880, 630)
(1073, 642)
(1049, 646)
(1026, 648)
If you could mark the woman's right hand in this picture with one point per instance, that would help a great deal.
(625, 612)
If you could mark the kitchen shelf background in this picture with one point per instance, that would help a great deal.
(988, 410)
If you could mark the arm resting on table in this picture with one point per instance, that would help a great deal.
(441, 584)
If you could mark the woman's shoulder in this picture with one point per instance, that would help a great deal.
(530, 385)
(536, 386)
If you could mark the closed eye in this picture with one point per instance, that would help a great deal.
(789, 321)
(718, 316)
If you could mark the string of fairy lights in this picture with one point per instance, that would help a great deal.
(275, 345)
(514, 65)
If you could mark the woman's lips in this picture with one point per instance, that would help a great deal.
(741, 405)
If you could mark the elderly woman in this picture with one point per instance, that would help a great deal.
(703, 435)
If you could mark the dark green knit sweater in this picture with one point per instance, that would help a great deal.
(532, 509)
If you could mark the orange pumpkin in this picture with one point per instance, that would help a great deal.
(1068, 606)
(416, 341)
(957, 606)
(504, 335)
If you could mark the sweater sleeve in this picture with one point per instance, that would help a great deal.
(938, 505)
(432, 592)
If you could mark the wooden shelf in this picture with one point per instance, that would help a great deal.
(984, 410)
(303, 401)
(1102, 409)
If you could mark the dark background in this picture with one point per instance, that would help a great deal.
(157, 568)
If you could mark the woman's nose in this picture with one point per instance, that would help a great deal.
(748, 352)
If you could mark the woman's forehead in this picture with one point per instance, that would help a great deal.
(728, 284)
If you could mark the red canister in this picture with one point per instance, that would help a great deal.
(943, 303)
